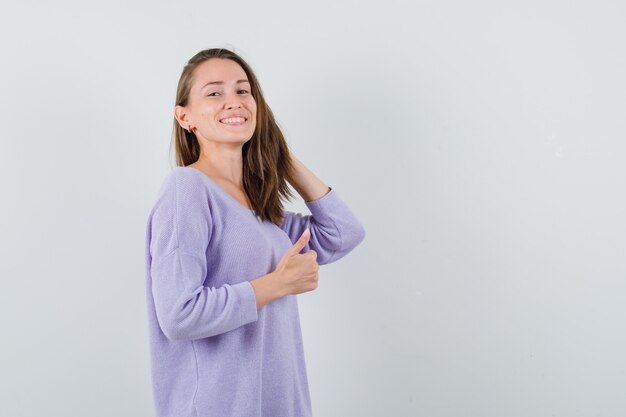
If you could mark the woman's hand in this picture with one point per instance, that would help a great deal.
(295, 273)
(298, 272)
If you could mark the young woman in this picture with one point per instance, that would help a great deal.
(223, 259)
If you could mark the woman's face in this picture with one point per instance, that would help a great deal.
(220, 92)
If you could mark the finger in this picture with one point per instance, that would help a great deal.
(302, 241)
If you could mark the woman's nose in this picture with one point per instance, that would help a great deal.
(233, 102)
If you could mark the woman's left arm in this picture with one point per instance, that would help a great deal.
(305, 182)
(335, 230)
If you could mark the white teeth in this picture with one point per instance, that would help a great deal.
(233, 120)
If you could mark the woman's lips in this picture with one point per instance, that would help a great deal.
(234, 123)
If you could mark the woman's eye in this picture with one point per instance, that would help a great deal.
(215, 92)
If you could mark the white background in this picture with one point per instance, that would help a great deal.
(480, 143)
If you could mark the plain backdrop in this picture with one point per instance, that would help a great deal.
(481, 144)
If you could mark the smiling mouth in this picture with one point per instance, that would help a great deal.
(234, 121)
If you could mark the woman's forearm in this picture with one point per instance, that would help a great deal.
(267, 289)
(306, 183)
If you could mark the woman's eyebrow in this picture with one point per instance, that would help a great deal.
(222, 82)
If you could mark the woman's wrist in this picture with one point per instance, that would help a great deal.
(267, 289)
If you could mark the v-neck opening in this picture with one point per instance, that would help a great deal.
(220, 189)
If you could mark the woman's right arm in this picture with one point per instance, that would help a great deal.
(180, 228)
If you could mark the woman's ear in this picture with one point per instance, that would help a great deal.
(180, 113)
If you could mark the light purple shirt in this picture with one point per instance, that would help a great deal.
(213, 354)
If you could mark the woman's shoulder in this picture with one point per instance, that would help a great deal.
(182, 178)
(182, 173)
(184, 188)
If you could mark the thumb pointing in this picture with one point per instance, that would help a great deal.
(302, 241)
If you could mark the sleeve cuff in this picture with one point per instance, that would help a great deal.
(249, 312)
(323, 206)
